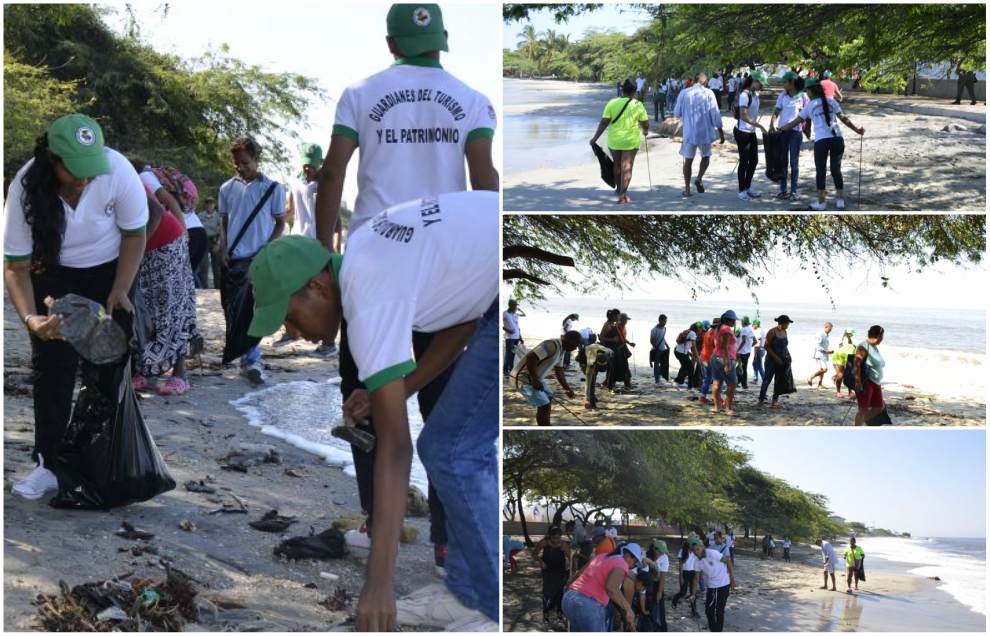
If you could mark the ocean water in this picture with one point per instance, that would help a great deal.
(961, 564)
(303, 413)
(920, 351)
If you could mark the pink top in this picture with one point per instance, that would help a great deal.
(732, 343)
(591, 581)
(829, 87)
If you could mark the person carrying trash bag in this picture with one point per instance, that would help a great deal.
(825, 115)
(75, 223)
(790, 103)
(623, 117)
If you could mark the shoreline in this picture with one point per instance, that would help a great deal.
(649, 405)
(773, 595)
(931, 170)
(232, 561)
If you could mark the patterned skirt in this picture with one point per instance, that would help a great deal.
(166, 306)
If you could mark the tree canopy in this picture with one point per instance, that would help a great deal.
(184, 112)
(883, 45)
(705, 250)
(688, 478)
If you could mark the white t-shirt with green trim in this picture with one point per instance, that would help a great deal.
(550, 355)
(110, 204)
(411, 124)
(425, 265)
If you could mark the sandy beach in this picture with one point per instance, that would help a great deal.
(232, 562)
(773, 595)
(909, 162)
(648, 405)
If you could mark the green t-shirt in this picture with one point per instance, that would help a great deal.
(624, 133)
(840, 357)
(852, 555)
(875, 360)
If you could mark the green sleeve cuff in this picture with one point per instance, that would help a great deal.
(385, 376)
(480, 133)
(138, 231)
(339, 130)
(13, 259)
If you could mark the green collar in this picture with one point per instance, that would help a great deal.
(417, 61)
(336, 260)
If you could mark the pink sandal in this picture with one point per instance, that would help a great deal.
(140, 383)
(174, 386)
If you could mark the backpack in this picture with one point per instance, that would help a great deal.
(171, 179)
(734, 108)
(682, 337)
(848, 378)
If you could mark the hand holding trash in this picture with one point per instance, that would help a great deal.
(86, 326)
(45, 327)
(357, 410)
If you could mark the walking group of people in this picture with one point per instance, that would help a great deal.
(415, 282)
(596, 582)
(714, 356)
(807, 106)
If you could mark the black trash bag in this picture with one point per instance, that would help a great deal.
(237, 299)
(143, 325)
(773, 150)
(606, 165)
(881, 418)
(108, 457)
(329, 544)
(784, 381)
(91, 332)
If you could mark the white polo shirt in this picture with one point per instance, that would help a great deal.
(411, 122)
(715, 571)
(752, 106)
(110, 204)
(425, 265)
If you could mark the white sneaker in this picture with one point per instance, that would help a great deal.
(754, 194)
(255, 373)
(357, 539)
(434, 606)
(480, 623)
(743, 196)
(35, 485)
(682, 385)
(840, 204)
(326, 350)
(818, 206)
(286, 339)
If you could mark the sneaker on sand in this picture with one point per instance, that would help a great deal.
(840, 204)
(286, 339)
(35, 485)
(255, 373)
(817, 206)
(743, 196)
(326, 350)
(358, 538)
(754, 194)
(434, 606)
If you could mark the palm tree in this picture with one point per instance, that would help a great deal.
(529, 43)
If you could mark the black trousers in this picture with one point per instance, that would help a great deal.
(686, 372)
(748, 157)
(56, 365)
(743, 373)
(364, 463)
(685, 591)
(590, 379)
(553, 592)
(828, 152)
(969, 88)
(718, 97)
(198, 246)
(715, 599)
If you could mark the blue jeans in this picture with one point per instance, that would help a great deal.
(717, 367)
(510, 356)
(706, 384)
(771, 368)
(251, 357)
(584, 613)
(790, 147)
(758, 364)
(457, 448)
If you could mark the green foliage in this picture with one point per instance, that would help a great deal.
(32, 98)
(688, 478)
(159, 106)
(882, 43)
(610, 250)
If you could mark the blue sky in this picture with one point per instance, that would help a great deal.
(926, 482)
(336, 43)
(624, 18)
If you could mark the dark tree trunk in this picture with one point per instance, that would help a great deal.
(522, 511)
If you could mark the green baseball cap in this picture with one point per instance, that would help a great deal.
(811, 81)
(759, 76)
(660, 545)
(694, 541)
(278, 271)
(789, 75)
(78, 142)
(311, 155)
(417, 28)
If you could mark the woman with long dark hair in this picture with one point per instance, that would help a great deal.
(75, 223)
(825, 115)
(747, 113)
(687, 567)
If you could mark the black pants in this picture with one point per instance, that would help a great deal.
(216, 261)
(969, 88)
(718, 97)
(743, 373)
(829, 150)
(590, 379)
(198, 246)
(686, 372)
(364, 463)
(715, 599)
(685, 591)
(659, 612)
(662, 363)
(553, 592)
(55, 364)
(748, 157)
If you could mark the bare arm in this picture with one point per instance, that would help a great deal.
(744, 115)
(791, 124)
(602, 125)
(17, 277)
(131, 253)
(850, 125)
(531, 361)
(444, 348)
(732, 574)
(861, 355)
(166, 199)
(482, 171)
(331, 186)
(376, 606)
(559, 374)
